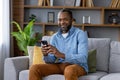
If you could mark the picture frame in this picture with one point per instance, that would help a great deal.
(51, 17)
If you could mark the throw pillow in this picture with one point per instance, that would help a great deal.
(92, 60)
(30, 53)
(38, 56)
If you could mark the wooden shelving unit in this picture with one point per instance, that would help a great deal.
(60, 7)
(99, 16)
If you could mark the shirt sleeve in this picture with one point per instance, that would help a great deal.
(81, 56)
(49, 59)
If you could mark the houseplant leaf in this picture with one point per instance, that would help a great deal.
(24, 37)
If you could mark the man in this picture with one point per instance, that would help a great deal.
(67, 52)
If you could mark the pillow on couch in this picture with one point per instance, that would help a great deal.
(30, 53)
(38, 56)
(92, 60)
(35, 55)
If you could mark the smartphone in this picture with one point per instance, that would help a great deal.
(44, 42)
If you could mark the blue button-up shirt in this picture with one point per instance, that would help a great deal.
(74, 46)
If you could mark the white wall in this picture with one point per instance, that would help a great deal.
(4, 34)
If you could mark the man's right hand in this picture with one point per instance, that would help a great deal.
(45, 49)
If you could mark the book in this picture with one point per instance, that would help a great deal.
(115, 3)
(78, 2)
(40, 2)
(92, 4)
(44, 2)
(48, 2)
(118, 5)
(89, 3)
(83, 3)
(51, 2)
(111, 3)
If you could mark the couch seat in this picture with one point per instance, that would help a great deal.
(92, 76)
(111, 76)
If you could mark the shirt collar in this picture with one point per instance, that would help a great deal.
(69, 32)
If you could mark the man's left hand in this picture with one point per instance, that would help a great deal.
(54, 51)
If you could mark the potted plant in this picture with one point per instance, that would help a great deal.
(26, 37)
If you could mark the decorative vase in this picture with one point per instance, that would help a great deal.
(114, 18)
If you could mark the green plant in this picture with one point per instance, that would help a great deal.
(26, 37)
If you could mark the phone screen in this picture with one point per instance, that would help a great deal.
(44, 42)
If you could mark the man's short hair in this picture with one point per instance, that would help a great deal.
(68, 11)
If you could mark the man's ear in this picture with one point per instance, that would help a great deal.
(73, 20)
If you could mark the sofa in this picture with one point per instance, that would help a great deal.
(107, 63)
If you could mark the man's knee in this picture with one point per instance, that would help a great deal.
(70, 70)
(34, 67)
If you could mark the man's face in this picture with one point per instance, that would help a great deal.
(64, 21)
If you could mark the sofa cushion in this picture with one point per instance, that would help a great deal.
(92, 60)
(54, 77)
(114, 65)
(93, 76)
(38, 56)
(30, 53)
(35, 55)
(112, 76)
(24, 75)
(102, 45)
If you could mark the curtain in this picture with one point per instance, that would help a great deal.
(4, 34)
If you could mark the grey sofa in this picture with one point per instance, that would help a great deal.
(108, 67)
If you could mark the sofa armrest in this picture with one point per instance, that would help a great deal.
(14, 65)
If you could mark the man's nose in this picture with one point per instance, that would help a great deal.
(62, 21)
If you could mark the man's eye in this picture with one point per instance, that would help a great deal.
(65, 19)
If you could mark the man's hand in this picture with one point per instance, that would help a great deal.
(51, 49)
(45, 49)
(54, 51)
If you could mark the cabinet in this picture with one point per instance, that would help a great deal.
(99, 14)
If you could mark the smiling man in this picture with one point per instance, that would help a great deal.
(67, 52)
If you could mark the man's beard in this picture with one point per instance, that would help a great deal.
(65, 29)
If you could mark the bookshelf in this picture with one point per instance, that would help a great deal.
(98, 10)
